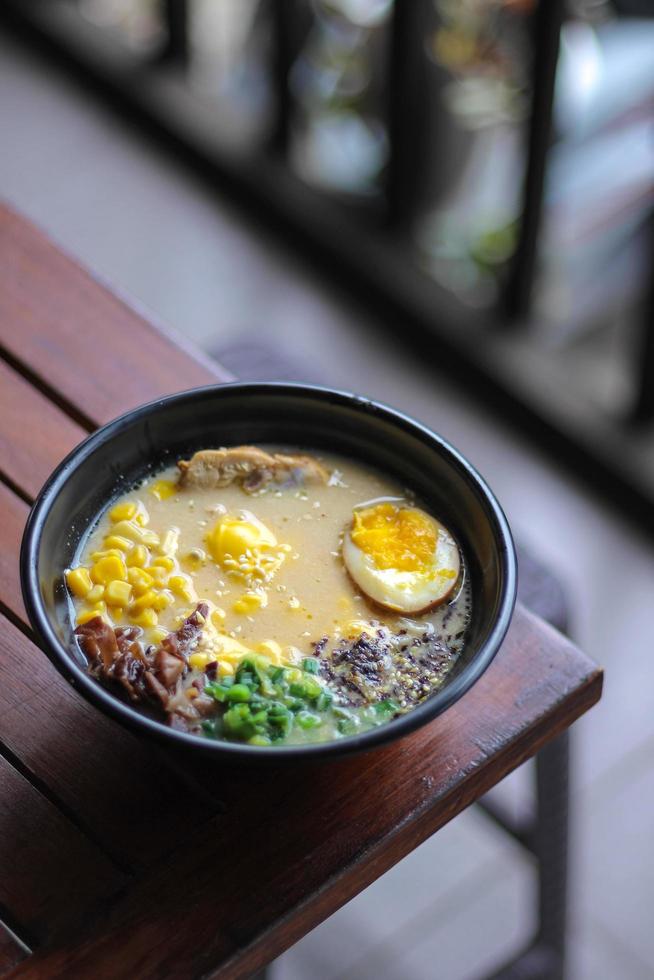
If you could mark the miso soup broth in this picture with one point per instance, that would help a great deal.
(258, 595)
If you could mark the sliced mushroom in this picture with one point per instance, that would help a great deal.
(99, 643)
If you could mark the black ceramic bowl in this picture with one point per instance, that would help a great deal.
(116, 456)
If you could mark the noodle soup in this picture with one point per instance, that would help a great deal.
(272, 597)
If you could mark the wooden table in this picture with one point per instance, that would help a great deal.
(115, 859)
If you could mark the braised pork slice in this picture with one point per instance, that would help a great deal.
(253, 468)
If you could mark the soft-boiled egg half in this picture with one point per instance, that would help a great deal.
(401, 557)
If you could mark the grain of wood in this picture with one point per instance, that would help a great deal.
(53, 879)
(292, 845)
(34, 434)
(116, 784)
(13, 515)
(78, 340)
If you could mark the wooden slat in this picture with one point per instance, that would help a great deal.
(116, 784)
(13, 514)
(79, 341)
(11, 952)
(157, 766)
(53, 879)
(294, 844)
(34, 434)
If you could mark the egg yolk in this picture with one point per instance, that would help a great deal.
(395, 537)
(233, 537)
(246, 549)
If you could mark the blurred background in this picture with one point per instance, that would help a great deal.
(447, 205)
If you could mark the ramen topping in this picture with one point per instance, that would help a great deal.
(266, 596)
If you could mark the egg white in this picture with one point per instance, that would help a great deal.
(404, 591)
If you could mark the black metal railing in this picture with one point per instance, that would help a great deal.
(371, 231)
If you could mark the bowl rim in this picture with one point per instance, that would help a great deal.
(94, 692)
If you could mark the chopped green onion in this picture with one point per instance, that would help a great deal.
(385, 707)
(307, 719)
(238, 692)
(217, 691)
(261, 704)
(324, 700)
(259, 740)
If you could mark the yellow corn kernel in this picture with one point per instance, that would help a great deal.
(145, 600)
(163, 489)
(191, 693)
(147, 619)
(115, 541)
(162, 601)
(118, 593)
(79, 581)
(158, 574)
(229, 645)
(149, 538)
(106, 553)
(86, 616)
(122, 512)
(250, 602)
(225, 668)
(182, 586)
(96, 593)
(138, 556)
(136, 533)
(230, 657)
(141, 517)
(140, 580)
(107, 569)
(158, 635)
(217, 616)
(100, 608)
(200, 660)
(272, 650)
(170, 541)
(165, 562)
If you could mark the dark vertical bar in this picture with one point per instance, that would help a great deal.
(552, 824)
(546, 26)
(407, 118)
(643, 410)
(284, 51)
(176, 16)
